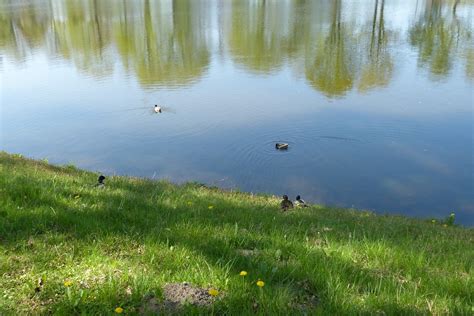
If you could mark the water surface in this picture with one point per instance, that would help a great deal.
(374, 97)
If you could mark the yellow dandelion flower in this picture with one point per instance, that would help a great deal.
(213, 292)
(260, 283)
(67, 283)
(210, 207)
(243, 273)
(119, 310)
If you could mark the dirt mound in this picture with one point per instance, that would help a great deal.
(184, 293)
(176, 295)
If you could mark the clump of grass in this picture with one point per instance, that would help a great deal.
(103, 251)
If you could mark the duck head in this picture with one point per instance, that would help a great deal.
(101, 179)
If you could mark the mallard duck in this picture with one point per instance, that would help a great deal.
(157, 108)
(299, 202)
(281, 146)
(285, 203)
(100, 182)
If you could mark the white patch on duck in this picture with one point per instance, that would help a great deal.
(281, 146)
(299, 202)
(157, 108)
(100, 182)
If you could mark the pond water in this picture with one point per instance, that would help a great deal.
(375, 98)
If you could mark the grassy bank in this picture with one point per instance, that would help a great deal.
(98, 249)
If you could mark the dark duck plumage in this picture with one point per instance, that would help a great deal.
(285, 203)
(281, 146)
(100, 182)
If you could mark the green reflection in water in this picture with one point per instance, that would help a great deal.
(170, 42)
(439, 35)
(332, 69)
(167, 45)
(257, 38)
(377, 68)
(83, 36)
(26, 28)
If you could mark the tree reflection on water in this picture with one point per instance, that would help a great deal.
(171, 43)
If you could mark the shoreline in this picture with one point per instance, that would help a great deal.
(277, 198)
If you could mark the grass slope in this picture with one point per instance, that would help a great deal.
(116, 245)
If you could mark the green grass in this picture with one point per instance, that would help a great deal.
(118, 244)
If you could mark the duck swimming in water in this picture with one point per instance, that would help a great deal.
(281, 146)
(157, 108)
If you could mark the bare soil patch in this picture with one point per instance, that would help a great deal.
(175, 296)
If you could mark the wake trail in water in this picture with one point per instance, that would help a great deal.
(346, 139)
(150, 110)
